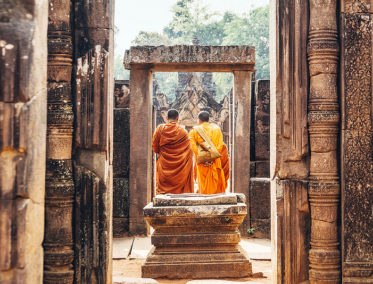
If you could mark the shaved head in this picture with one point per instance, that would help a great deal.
(204, 116)
(172, 114)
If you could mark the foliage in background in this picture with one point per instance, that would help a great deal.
(191, 20)
(167, 82)
(119, 72)
(252, 29)
(151, 38)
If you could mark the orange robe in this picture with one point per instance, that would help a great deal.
(225, 162)
(174, 173)
(211, 179)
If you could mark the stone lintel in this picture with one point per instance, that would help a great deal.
(191, 58)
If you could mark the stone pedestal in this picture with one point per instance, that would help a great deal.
(196, 236)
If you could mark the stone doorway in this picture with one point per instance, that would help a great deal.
(143, 61)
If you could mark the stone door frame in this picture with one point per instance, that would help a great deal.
(142, 61)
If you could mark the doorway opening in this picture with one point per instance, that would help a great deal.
(190, 93)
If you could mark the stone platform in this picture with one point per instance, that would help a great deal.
(196, 236)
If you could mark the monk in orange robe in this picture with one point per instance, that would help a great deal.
(174, 168)
(212, 177)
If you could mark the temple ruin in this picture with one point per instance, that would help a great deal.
(58, 133)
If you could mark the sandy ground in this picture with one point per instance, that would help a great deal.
(130, 253)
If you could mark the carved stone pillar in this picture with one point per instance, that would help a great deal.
(356, 77)
(93, 139)
(58, 241)
(323, 121)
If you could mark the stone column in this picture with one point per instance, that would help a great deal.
(93, 143)
(23, 113)
(140, 147)
(241, 138)
(323, 121)
(289, 151)
(59, 197)
(357, 141)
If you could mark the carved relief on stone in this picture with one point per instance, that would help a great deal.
(91, 99)
(122, 94)
(357, 143)
(93, 139)
(162, 105)
(60, 190)
(323, 120)
(292, 90)
(193, 96)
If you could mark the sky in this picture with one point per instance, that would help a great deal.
(133, 16)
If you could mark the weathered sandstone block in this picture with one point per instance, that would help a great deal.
(189, 54)
(196, 236)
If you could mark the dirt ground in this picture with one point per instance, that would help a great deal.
(130, 254)
(126, 268)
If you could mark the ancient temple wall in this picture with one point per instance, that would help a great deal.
(356, 141)
(78, 226)
(94, 85)
(289, 151)
(23, 94)
(260, 189)
(121, 150)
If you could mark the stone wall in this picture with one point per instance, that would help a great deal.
(357, 141)
(260, 189)
(121, 170)
(93, 152)
(78, 200)
(23, 93)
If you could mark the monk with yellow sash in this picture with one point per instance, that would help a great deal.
(212, 176)
(174, 169)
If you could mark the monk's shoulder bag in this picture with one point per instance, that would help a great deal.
(206, 152)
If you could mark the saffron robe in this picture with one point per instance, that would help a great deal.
(174, 168)
(211, 179)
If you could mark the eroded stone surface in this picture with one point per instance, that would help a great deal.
(196, 240)
(189, 54)
(323, 128)
(189, 199)
(357, 157)
(23, 92)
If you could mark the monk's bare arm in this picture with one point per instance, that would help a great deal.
(156, 138)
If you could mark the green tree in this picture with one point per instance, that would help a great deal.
(252, 29)
(151, 38)
(119, 72)
(191, 20)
